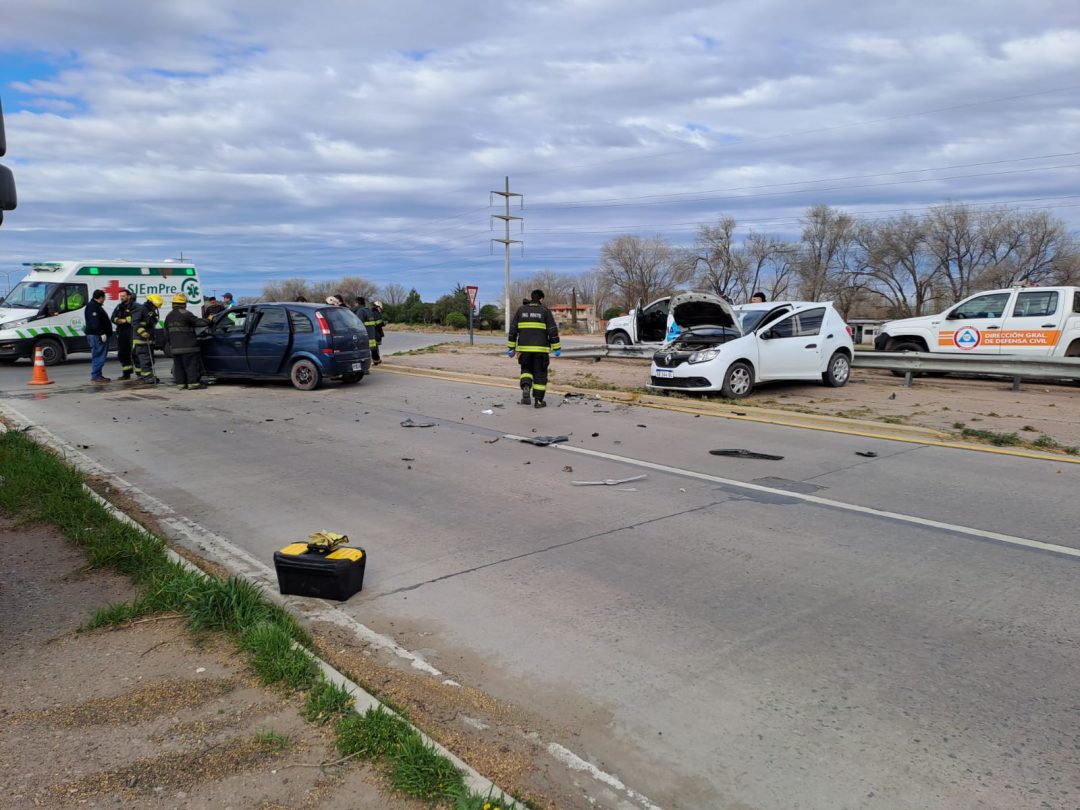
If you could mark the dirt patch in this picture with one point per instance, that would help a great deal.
(1041, 416)
(146, 715)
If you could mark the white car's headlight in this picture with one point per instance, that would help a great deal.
(702, 357)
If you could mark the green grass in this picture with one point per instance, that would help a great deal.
(275, 658)
(273, 742)
(38, 487)
(994, 437)
(326, 701)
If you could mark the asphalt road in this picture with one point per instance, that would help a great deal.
(823, 631)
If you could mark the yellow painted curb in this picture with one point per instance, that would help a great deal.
(909, 434)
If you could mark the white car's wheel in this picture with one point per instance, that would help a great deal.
(838, 372)
(738, 381)
(619, 339)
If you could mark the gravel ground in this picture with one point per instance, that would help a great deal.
(1041, 415)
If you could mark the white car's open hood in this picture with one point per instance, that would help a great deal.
(691, 310)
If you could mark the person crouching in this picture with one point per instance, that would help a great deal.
(180, 337)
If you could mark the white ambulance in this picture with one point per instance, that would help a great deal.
(46, 308)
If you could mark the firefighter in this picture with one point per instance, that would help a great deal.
(376, 309)
(533, 337)
(370, 320)
(144, 320)
(121, 316)
(180, 337)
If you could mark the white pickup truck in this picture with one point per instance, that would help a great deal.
(642, 325)
(1025, 321)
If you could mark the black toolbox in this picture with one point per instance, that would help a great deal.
(304, 571)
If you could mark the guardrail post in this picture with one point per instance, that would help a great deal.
(1016, 384)
(908, 377)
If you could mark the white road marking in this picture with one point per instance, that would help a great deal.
(815, 499)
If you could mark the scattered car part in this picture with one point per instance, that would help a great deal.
(544, 441)
(411, 423)
(609, 482)
(739, 453)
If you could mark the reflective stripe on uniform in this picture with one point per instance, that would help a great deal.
(537, 349)
(531, 325)
(539, 387)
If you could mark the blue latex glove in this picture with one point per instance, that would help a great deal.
(509, 352)
(558, 352)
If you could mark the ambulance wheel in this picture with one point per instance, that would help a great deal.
(738, 381)
(355, 377)
(305, 375)
(52, 351)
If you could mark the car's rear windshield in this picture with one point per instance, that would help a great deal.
(342, 320)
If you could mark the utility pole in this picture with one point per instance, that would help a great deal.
(506, 194)
(573, 307)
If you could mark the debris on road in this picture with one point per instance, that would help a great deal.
(567, 468)
(411, 423)
(491, 441)
(866, 454)
(487, 411)
(610, 482)
(544, 441)
(745, 454)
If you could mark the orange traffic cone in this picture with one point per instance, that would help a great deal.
(40, 377)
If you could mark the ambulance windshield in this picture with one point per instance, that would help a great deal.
(29, 295)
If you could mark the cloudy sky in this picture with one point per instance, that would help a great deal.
(268, 139)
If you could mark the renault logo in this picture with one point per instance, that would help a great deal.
(667, 359)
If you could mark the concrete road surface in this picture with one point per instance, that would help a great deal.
(823, 631)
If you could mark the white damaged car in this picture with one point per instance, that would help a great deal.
(720, 348)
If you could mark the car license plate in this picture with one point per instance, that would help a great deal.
(665, 372)
(357, 366)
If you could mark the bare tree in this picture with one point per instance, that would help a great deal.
(957, 241)
(770, 265)
(1022, 248)
(900, 269)
(720, 267)
(393, 294)
(288, 290)
(642, 269)
(827, 242)
(593, 290)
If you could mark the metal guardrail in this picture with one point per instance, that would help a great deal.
(1016, 367)
(907, 363)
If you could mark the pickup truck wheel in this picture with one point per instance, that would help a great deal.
(838, 371)
(305, 375)
(619, 339)
(738, 381)
(905, 346)
(51, 351)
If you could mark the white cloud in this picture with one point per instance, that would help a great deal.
(263, 133)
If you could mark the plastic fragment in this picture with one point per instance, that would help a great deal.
(745, 454)
(544, 441)
(609, 482)
(866, 454)
(411, 423)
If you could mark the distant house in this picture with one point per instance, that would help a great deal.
(865, 329)
(586, 316)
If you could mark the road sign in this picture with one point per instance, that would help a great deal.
(472, 291)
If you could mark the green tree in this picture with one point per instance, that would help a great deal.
(612, 312)
(456, 320)
(456, 301)
(490, 315)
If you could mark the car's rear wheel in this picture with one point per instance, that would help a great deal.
(354, 377)
(305, 375)
(738, 381)
(619, 339)
(838, 371)
(52, 351)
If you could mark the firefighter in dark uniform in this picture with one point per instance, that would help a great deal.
(376, 311)
(370, 320)
(533, 337)
(180, 337)
(144, 321)
(121, 316)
